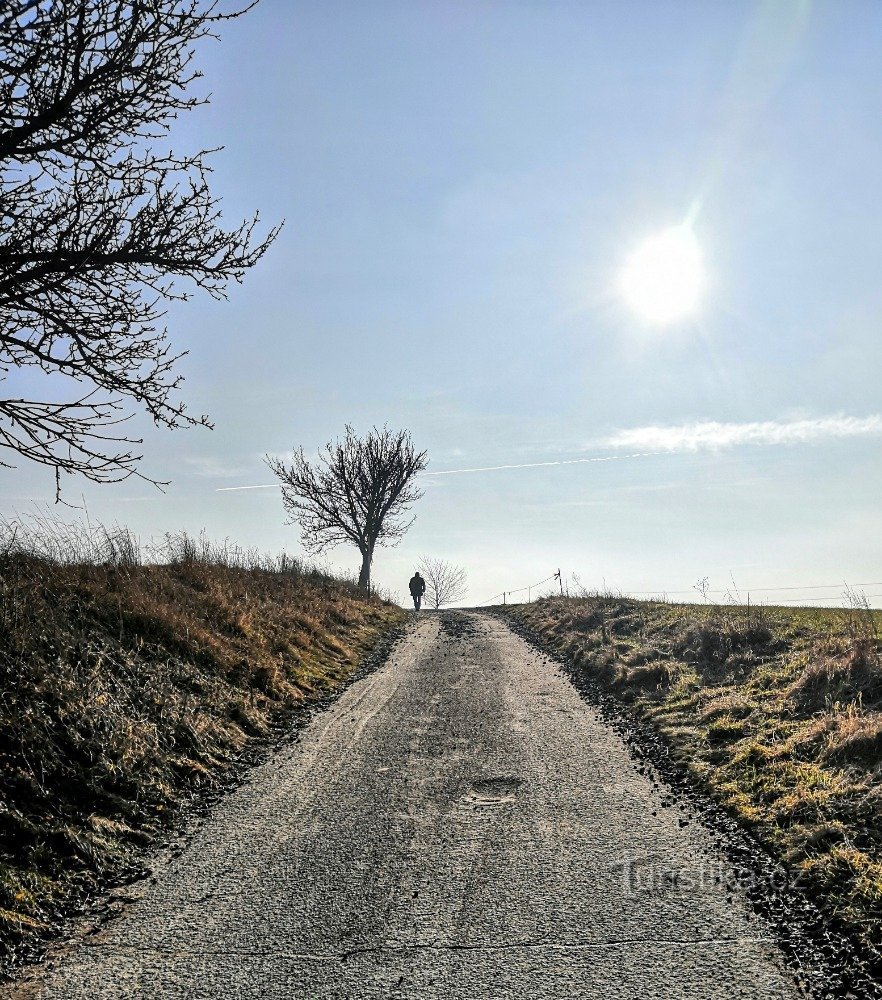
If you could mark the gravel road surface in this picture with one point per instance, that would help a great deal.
(460, 823)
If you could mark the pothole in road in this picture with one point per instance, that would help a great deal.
(493, 791)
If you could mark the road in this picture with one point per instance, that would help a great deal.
(459, 824)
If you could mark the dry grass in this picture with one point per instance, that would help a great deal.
(778, 712)
(127, 689)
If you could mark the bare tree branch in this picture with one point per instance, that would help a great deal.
(445, 583)
(358, 491)
(99, 227)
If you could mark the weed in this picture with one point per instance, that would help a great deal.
(127, 685)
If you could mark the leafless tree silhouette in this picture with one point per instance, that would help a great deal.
(358, 491)
(99, 224)
(445, 583)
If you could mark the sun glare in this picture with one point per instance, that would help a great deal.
(662, 280)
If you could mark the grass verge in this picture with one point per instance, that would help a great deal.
(776, 712)
(127, 691)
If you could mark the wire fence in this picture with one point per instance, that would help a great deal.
(519, 590)
(730, 595)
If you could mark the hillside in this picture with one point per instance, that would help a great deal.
(128, 692)
(777, 712)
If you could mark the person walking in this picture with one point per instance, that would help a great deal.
(417, 589)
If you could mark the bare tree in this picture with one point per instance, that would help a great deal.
(98, 223)
(357, 491)
(445, 583)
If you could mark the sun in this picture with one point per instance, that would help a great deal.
(663, 278)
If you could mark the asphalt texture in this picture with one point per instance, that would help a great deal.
(459, 824)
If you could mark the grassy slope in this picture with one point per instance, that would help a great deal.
(123, 692)
(777, 712)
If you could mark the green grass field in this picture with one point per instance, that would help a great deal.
(777, 712)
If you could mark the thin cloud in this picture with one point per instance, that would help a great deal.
(709, 435)
(714, 436)
(539, 465)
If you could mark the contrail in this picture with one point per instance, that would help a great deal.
(484, 468)
(232, 489)
(706, 435)
(539, 465)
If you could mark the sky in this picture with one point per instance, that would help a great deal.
(463, 187)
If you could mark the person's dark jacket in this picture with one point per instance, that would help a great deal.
(417, 586)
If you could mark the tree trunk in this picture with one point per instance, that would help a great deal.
(364, 577)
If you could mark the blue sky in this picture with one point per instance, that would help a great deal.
(462, 184)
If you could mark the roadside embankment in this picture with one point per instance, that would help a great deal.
(776, 712)
(129, 692)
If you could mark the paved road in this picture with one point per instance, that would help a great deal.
(459, 824)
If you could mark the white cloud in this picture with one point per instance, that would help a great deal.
(709, 435)
(712, 435)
